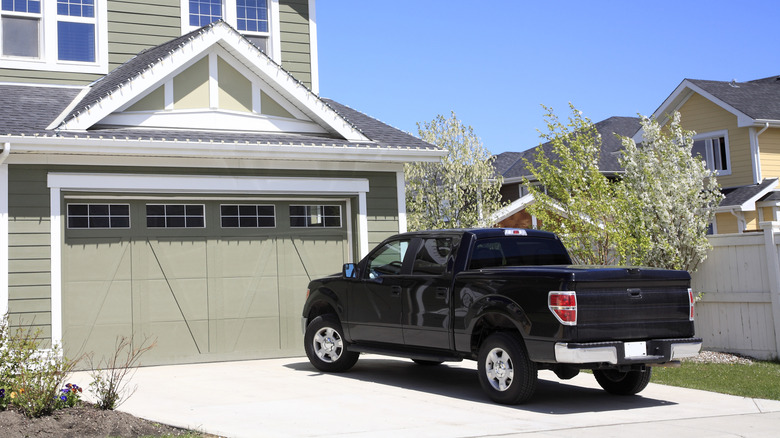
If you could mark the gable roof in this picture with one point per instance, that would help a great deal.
(754, 103)
(609, 129)
(66, 119)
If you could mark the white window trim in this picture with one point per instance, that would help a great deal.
(48, 43)
(715, 134)
(138, 183)
(222, 216)
(109, 216)
(229, 15)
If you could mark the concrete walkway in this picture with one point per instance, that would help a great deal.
(386, 397)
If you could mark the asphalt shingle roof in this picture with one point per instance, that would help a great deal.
(758, 99)
(739, 195)
(608, 160)
(30, 109)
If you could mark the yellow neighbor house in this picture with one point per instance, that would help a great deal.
(737, 127)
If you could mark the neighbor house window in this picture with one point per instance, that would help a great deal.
(175, 216)
(311, 216)
(714, 150)
(247, 216)
(98, 216)
(55, 35)
(252, 18)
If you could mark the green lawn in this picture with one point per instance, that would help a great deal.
(758, 380)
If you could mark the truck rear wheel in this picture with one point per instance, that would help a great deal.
(623, 382)
(506, 373)
(325, 346)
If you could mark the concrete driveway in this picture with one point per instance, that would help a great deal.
(387, 397)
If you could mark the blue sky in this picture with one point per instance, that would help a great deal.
(494, 62)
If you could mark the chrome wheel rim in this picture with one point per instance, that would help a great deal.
(499, 369)
(328, 345)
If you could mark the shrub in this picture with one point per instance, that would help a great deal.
(30, 376)
(110, 376)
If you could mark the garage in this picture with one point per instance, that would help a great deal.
(210, 278)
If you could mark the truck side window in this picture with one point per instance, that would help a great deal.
(388, 260)
(432, 257)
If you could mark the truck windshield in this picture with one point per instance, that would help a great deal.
(518, 251)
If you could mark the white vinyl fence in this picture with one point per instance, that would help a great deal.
(739, 286)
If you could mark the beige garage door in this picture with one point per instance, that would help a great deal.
(209, 280)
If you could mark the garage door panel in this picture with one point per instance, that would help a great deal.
(98, 303)
(175, 340)
(247, 298)
(248, 334)
(84, 339)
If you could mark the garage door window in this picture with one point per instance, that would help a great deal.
(247, 216)
(313, 216)
(175, 216)
(98, 216)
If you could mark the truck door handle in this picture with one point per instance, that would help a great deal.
(395, 291)
(441, 292)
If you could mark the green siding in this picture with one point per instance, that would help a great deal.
(29, 276)
(294, 29)
(135, 25)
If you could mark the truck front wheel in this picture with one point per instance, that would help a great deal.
(623, 382)
(506, 373)
(325, 346)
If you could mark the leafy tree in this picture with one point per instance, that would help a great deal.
(656, 214)
(574, 199)
(462, 190)
(674, 194)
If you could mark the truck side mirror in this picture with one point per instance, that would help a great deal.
(349, 270)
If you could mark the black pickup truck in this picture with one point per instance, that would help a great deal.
(509, 299)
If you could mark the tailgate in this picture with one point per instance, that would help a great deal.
(633, 309)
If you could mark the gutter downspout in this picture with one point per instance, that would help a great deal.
(5, 153)
(741, 225)
(757, 177)
(4, 230)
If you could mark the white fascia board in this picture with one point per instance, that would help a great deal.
(514, 207)
(172, 147)
(750, 204)
(245, 52)
(130, 183)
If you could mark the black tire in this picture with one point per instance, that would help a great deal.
(506, 373)
(623, 383)
(325, 345)
(427, 363)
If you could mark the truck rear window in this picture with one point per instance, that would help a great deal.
(518, 251)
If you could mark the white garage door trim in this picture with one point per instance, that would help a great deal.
(138, 183)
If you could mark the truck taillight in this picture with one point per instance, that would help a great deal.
(307, 293)
(564, 306)
(692, 313)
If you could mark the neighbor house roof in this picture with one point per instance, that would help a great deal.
(754, 103)
(609, 129)
(744, 198)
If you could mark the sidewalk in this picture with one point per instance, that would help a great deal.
(387, 397)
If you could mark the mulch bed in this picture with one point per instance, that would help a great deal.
(84, 421)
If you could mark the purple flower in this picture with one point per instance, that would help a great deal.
(63, 398)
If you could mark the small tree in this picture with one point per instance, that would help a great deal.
(459, 192)
(574, 199)
(674, 194)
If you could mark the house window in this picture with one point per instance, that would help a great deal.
(714, 150)
(21, 22)
(76, 30)
(247, 216)
(313, 216)
(175, 216)
(98, 216)
(250, 17)
(55, 35)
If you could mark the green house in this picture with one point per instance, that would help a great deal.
(169, 171)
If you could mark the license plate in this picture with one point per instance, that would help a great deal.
(635, 349)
